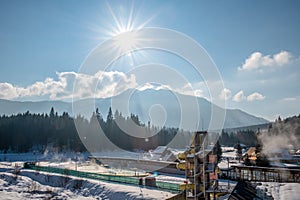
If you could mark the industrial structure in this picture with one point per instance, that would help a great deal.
(200, 165)
(261, 174)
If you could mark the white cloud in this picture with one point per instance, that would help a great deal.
(255, 96)
(258, 61)
(225, 94)
(146, 86)
(8, 91)
(100, 85)
(113, 83)
(238, 97)
(185, 90)
(189, 90)
(289, 99)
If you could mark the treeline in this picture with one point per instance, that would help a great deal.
(133, 136)
(246, 137)
(29, 132)
(288, 129)
(36, 132)
(283, 132)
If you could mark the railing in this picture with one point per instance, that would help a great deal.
(173, 187)
(261, 174)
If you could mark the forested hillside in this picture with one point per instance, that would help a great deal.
(38, 132)
(246, 137)
(283, 133)
(27, 131)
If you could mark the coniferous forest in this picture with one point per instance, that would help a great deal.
(246, 137)
(37, 132)
(28, 132)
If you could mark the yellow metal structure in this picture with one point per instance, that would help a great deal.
(200, 165)
(183, 166)
(187, 186)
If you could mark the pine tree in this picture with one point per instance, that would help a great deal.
(218, 151)
(239, 152)
(52, 113)
(110, 117)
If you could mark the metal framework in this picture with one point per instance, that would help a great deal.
(261, 174)
(200, 169)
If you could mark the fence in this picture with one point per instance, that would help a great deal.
(173, 187)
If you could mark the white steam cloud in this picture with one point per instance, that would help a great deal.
(281, 136)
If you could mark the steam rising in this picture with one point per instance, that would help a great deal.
(282, 135)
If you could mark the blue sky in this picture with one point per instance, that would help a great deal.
(255, 46)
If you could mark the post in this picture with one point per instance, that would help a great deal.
(76, 158)
(228, 173)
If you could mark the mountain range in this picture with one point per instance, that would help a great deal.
(157, 106)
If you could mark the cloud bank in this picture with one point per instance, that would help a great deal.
(100, 85)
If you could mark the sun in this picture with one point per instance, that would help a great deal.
(125, 31)
(122, 24)
(126, 42)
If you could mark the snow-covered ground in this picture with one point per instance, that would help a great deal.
(87, 166)
(266, 190)
(46, 156)
(40, 185)
(179, 179)
(279, 191)
(230, 154)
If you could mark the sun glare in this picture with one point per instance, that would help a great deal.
(128, 22)
(124, 30)
(122, 24)
(126, 42)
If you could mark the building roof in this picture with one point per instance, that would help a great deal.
(243, 191)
